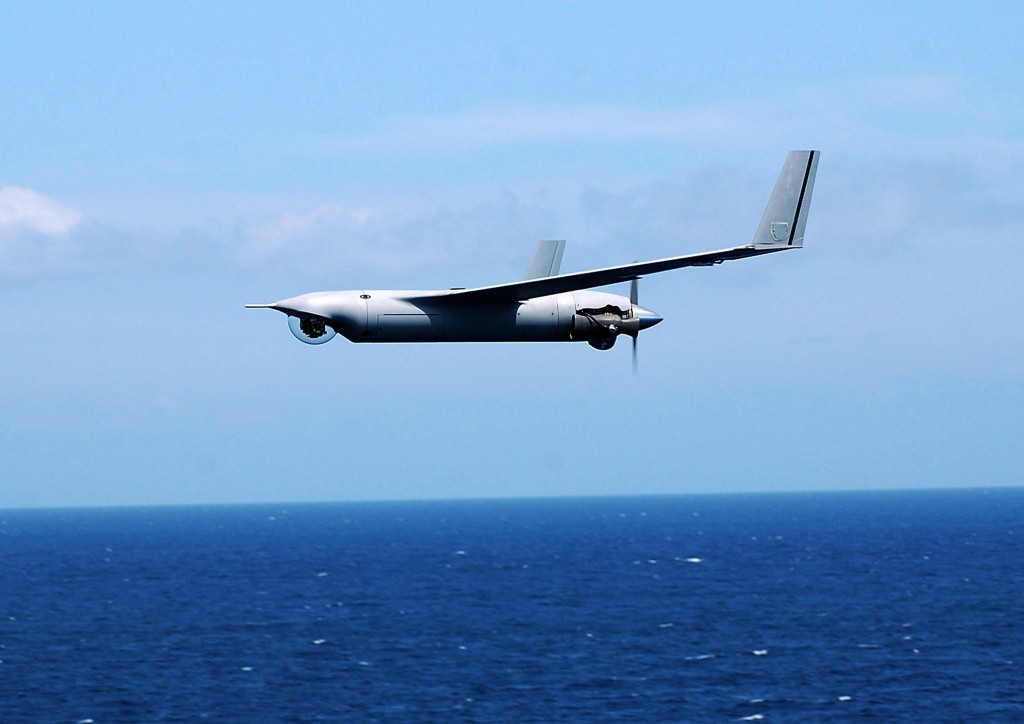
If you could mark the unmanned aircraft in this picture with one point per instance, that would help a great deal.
(544, 306)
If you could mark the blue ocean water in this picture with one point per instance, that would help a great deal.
(788, 607)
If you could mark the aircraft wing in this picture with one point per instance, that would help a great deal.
(781, 228)
(522, 290)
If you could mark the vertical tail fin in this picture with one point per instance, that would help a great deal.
(547, 258)
(784, 219)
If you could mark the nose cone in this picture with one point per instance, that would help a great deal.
(343, 311)
(646, 316)
(321, 304)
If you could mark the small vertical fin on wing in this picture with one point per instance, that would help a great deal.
(547, 259)
(786, 215)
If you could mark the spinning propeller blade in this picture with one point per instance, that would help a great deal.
(633, 302)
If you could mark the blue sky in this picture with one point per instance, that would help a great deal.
(163, 164)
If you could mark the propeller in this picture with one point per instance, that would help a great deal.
(644, 317)
(633, 302)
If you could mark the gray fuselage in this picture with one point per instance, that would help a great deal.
(431, 316)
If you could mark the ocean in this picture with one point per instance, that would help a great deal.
(775, 607)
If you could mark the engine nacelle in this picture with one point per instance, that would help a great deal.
(311, 330)
(601, 330)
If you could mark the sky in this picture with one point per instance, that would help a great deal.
(162, 164)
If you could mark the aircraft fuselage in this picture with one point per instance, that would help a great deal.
(430, 316)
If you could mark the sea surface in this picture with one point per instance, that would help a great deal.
(786, 607)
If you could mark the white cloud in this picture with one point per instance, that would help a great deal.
(40, 237)
(27, 210)
(290, 231)
(354, 245)
(36, 232)
(928, 113)
(485, 127)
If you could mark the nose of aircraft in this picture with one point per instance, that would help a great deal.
(646, 316)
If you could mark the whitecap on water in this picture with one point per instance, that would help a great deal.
(760, 652)
(246, 668)
(752, 717)
(319, 642)
(694, 560)
(845, 698)
(700, 657)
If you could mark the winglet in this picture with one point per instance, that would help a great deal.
(547, 258)
(783, 222)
